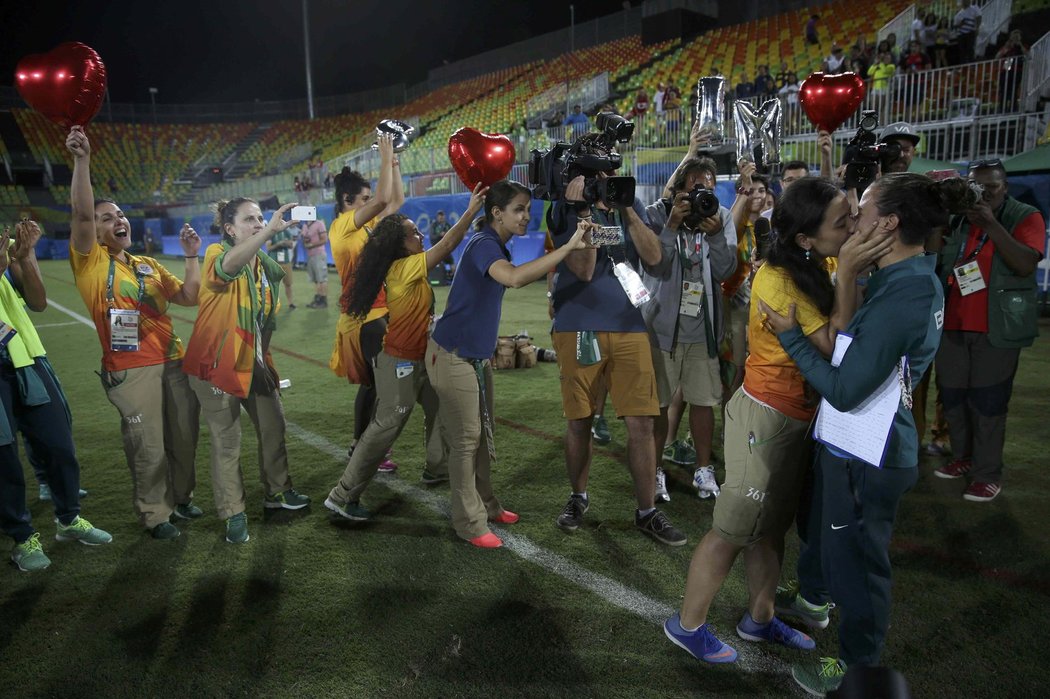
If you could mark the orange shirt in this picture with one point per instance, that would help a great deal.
(348, 240)
(411, 303)
(233, 309)
(770, 375)
(157, 340)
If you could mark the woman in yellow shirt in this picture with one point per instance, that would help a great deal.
(127, 297)
(229, 361)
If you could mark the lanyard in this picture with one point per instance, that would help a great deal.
(975, 252)
(109, 283)
(262, 287)
(610, 218)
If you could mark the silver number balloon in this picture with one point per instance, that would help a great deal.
(758, 131)
(710, 110)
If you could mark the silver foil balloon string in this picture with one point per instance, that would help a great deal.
(403, 133)
(710, 109)
(758, 131)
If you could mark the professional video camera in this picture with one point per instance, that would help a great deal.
(864, 153)
(551, 171)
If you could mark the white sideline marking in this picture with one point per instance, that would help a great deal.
(611, 591)
(72, 314)
(56, 325)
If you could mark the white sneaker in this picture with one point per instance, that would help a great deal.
(661, 486)
(704, 480)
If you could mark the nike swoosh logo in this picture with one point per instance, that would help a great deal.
(839, 527)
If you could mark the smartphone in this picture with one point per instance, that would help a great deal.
(607, 235)
(304, 213)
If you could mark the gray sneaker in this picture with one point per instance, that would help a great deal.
(81, 530)
(656, 525)
(165, 531)
(790, 603)
(188, 511)
(288, 500)
(351, 510)
(237, 529)
(571, 516)
(29, 555)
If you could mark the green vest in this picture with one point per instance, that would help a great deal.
(1012, 311)
(24, 346)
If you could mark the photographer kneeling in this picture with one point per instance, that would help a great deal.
(699, 241)
(599, 334)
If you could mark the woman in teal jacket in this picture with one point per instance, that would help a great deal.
(897, 329)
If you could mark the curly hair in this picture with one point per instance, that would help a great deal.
(801, 210)
(386, 244)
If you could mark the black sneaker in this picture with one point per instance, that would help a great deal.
(656, 525)
(571, 517)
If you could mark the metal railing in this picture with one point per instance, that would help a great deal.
(563, 96)
(899, 26)
(1037, 72)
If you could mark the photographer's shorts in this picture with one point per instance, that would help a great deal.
(689, 367)
(625, 367)
(766, 454)
(317, 269)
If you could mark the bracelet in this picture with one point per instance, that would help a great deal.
(745, 192)
(191, 257)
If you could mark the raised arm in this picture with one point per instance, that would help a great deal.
(23, 265)
(82, 197)
(516, 277)
(396, 187)
(444, 247)
(382, 197)
(239, 255)
(191, 282)
(743, 194)
(694, 148)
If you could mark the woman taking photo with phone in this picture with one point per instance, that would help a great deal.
(229, 361)
(460, 351)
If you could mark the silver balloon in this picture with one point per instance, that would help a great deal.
(403, 133)
(758, 132)
(710, 110)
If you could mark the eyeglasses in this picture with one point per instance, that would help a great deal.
(991, 162)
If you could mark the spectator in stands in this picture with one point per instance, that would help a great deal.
(229, 363)
(942, 42)
(767, 421)
(641, 104)
(788, 94)
(918, 27)
(393, 262)
(744, 88)
(895, 334)
(578, 121)
(359, 340)
(314, 238)
(600, 339)
(913, 88)
(835, 63)
(857, 68)
(764, 87)
(34, 404)
(988, 266)
(658, 98)
(783, 77)
(460, 351)
(142, 369)
(902, 134)
(858, 60)
(149, 242)
(438, 228)
(684, 326)
(966, 23)
(881, 74)
(1012, 56)
(929, 32)
(895, 50)
(281, 249)
(812, 37)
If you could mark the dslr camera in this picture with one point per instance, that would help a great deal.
(864, 154)
(703, 204)
(550, 171)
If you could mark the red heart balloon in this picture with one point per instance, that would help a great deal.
(480, 157)
(830, 99)
(66, 85)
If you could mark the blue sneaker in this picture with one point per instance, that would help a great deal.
(701, 644)
(775, 631)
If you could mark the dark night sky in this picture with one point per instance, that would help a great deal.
(242, 50)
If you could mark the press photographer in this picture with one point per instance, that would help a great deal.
(685, 317)
(866, 156)
(599, 334)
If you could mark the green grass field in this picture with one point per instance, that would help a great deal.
(400, 607)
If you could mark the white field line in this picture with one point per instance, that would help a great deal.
(38, 326)
(613, 592)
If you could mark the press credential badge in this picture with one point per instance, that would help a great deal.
(123, 330)
(692, 299)
(969, 277)
(631, 283)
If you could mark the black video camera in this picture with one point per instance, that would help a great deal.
(864, 153)
(551, 171)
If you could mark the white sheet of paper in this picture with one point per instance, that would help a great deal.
(864, 431)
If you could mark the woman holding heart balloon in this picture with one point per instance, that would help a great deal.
(393, 261)
(459, 354)
(127, 297)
